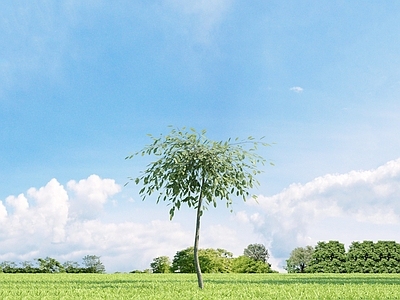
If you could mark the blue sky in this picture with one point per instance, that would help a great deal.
(82, 83)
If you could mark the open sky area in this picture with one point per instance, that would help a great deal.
(83, 82)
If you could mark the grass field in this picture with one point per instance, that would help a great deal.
(184, 286)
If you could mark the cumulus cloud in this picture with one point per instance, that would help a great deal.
(363, 196)
(89, 195)
(3, 212)
(44, 222)
(296, 89)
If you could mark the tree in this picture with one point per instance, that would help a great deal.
(370, 257)
(246, 264)
(8, 267)
(93, 264)
(50, 265)
(73, 267)
(211, 261)
(161, 264)
(389, 254)
(257, 252)
(28, 267)
(299, 259)
(196, 171)
(328, 257)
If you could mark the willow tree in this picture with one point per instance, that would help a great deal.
(195, 171)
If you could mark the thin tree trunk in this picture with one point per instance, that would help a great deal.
(196, 242)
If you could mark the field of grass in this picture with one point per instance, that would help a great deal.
(184, 286)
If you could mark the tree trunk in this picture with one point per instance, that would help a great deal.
(196, 244)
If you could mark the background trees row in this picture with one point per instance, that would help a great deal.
(91, 264)
(331, 257)
(253, 260)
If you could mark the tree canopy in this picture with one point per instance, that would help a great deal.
(257, 252)
(299, 259)
(211, 261)
(93, 264)
(328, 257)
(189, 166)
(161, 264)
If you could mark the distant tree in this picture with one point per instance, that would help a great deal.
(328, 257)
(50, 265)
(215, 260)
(183, 261)
(389, 254)
(29, 267)
(137, 272)
(299, 259)
(93, 264)
(8, 267)
(370, 257)
(161, 264)
(211, 261)
(246, 264)
(196, 171)
(73, 267)
(257, 252)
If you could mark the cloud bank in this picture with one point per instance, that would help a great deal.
(286, 219)
(63, 223)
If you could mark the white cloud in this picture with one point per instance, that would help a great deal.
(45, 220)
(296, 89)
(41, 224)
(241, 216)
(91, 194)
(3, 212)
(371, 197)
(19, 203)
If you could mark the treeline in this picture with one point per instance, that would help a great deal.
(91, 264)
(253, 260)
(331, 257)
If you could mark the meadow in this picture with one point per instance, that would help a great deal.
(184, 286)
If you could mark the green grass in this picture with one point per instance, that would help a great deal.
(184, 286)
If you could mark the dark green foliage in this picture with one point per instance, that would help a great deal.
(328, 257)
(258, 252)
(362, 257)
(161, 264)
(370, 257)
(10, 267)
(50, 265)
(299, 259)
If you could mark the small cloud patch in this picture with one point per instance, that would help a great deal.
(297, 89)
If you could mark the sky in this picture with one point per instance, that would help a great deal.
(82, 83)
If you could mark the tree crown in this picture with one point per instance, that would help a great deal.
(190, 166)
